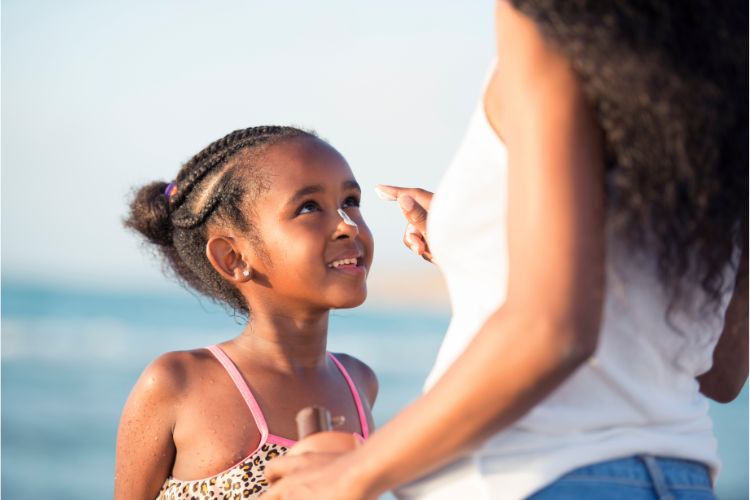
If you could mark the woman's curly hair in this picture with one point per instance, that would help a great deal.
(668, 80)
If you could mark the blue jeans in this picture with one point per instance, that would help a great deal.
(635, 478)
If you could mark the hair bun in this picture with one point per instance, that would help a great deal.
(149, 214)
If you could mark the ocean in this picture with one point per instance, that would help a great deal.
(71, 356)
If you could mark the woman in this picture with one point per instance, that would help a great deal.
(599, 283)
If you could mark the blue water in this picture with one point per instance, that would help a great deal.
(70, 357)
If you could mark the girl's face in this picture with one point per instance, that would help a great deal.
(313, 257)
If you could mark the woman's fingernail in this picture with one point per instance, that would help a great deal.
(406, 202)
(415, 249)
(383, 195)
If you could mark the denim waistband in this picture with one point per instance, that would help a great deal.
(663, 474)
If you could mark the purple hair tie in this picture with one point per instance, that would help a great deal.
(170, 190)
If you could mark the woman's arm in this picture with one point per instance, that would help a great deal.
(549, 324)
(145, 449)
(724, 381)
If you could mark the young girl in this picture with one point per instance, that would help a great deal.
(265, 220)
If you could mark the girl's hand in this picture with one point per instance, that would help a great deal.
(415, 204)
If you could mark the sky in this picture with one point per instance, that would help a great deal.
(99, 97)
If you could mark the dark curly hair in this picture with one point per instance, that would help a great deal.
(668, 80)
(211, 188)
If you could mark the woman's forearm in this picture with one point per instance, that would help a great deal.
(477, 396)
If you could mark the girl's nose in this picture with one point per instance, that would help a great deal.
(346, 227)
(346, 218)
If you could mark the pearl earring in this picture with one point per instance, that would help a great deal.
(246, 273)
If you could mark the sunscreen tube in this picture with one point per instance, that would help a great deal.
(313, 419)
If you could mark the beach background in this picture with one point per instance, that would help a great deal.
(98, 97)
(71, 356)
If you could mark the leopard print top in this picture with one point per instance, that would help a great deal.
(244, 480)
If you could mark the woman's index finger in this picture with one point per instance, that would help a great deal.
(391, 193)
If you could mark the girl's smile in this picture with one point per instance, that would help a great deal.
(349, 262)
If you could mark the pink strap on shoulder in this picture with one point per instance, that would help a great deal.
(247, 395)
(355, 395)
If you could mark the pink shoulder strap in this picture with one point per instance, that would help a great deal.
(247, 395)
(355, 395)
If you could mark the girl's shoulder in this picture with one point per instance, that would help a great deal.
(172, 373)
(157, 398)
(362, 375)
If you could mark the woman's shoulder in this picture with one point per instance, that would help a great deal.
(362, 375)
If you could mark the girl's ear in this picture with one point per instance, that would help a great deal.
(225, 256)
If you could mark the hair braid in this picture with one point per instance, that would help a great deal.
(216, 154)
(192, 220)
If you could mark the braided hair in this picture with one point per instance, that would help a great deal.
(210, 189)
(668, 82)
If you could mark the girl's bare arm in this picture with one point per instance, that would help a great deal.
(145, 449)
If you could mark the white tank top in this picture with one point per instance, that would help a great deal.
(637, 394)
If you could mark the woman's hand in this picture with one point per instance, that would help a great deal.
(415, 204)
(313, 475)
(329, 442)
(312, 468)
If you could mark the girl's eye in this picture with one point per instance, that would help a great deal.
(308, 207)
(351, 201)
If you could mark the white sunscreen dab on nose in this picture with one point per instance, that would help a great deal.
(346, 218)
